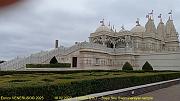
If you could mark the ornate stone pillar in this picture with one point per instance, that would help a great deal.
(114, 44)
(127, 41)
(103, 40)
(90, 39)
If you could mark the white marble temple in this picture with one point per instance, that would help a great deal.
(110, 49)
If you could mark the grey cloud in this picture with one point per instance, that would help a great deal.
(35, 25)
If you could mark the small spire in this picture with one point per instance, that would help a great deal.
(170, 15)
(147, 16)
(152, 12)
(122, 27)
(169, 18)
(150, 15)
(109, 24)
(113, 27)
(137, 22)
(150, 26)
(160, 17)
(102, 22)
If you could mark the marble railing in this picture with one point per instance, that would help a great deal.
(44, 56)
(87, 45)
(20, 63)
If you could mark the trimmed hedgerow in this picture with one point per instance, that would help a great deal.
(147, 67)
(59, 65)
(58, 72)
(77, 71)
(54, 60)
(84, 87)
(127, 66)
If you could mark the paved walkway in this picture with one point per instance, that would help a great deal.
(166, 94)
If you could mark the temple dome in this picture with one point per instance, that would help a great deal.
(103, 28)
(138, 29)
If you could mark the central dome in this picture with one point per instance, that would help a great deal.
(138, 28)
(103, 28)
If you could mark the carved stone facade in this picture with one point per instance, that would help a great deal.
(116, 48)
(148, 38)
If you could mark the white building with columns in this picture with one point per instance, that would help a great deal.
(110, 49)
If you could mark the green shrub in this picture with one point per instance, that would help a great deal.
(127, 66)
(147, 67)
(53, 60)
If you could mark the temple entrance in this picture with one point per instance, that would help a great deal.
(74, 62)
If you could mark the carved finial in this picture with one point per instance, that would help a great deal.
(109, 24)
(152, 12)
(150, 15)
(147, 16)
(102, 22)
(170, 15)
(138, 24)
(122, 27)
(160, 17)
(113, 27)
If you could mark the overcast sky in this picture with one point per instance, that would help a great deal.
(34, 25)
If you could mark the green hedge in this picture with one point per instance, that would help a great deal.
(127, 66)
(84, 87)
(147, 67)
(59, 72)
(54, 60)
(59, 65)
(77, 71)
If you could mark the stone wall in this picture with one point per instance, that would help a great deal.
(89, 58)
(160, 61)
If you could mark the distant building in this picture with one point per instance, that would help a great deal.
(110, 49)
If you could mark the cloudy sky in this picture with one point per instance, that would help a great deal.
(34, 25)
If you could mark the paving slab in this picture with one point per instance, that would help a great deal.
(171, 93)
